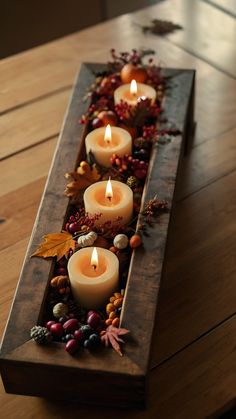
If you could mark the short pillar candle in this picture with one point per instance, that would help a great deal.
(105, 141)
(93, 281)
(112, 199)
(130, 93)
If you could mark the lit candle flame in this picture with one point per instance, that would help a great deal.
(94, 258)
(109, 191)
(107, 136)
(133, 88)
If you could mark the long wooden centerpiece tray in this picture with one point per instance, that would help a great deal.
(101, 377)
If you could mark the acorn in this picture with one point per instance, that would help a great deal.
(131, 71)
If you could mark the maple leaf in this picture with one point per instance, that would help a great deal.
(81, 178)
(55, 244)
(111, 336)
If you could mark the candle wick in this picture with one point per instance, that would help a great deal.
(94, 267)
(109, 197)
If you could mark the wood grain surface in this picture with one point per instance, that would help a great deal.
(193, 356)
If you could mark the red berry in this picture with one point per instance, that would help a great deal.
(140, 174)
(49, 324)
(57, 330)
(61, 271)
(94, 320)
(73, 228)
(71, 325)
(79, 335)
(97, 123)
(142, 165)
(71, 346)
(62, 263)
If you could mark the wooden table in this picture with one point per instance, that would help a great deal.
(193, 364)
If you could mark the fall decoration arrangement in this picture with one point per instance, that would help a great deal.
(104, 223)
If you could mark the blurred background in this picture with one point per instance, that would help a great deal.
(25, 24)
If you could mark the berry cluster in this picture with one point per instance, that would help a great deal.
(81, 222)
(134, 57)
(75, 335)
(128, 165)
(113, 309)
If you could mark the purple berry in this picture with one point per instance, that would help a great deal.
(86, 330)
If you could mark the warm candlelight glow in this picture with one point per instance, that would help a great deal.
(107, 136)
(109, 191)
(94, 258)
(133, 88)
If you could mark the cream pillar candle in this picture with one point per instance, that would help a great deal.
(93, 278)
(105, 141)
(130, 93)
(112, 199)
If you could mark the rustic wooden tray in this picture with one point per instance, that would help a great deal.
(104, 377)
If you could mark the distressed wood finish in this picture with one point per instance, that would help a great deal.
(125, 379)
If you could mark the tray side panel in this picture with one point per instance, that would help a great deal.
(147, 262)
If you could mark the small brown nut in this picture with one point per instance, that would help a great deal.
(112, 299)
(59, 281)
(112, 315)
(109, 308)
(115, 322)
(53, 282)
(62, 290)
(108, 322)
(117, 294)
(118, 302)
(62, 281)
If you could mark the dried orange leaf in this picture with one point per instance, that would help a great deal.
(55, 244)
(83, 177)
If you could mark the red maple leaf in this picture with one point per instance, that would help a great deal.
(111, 336)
